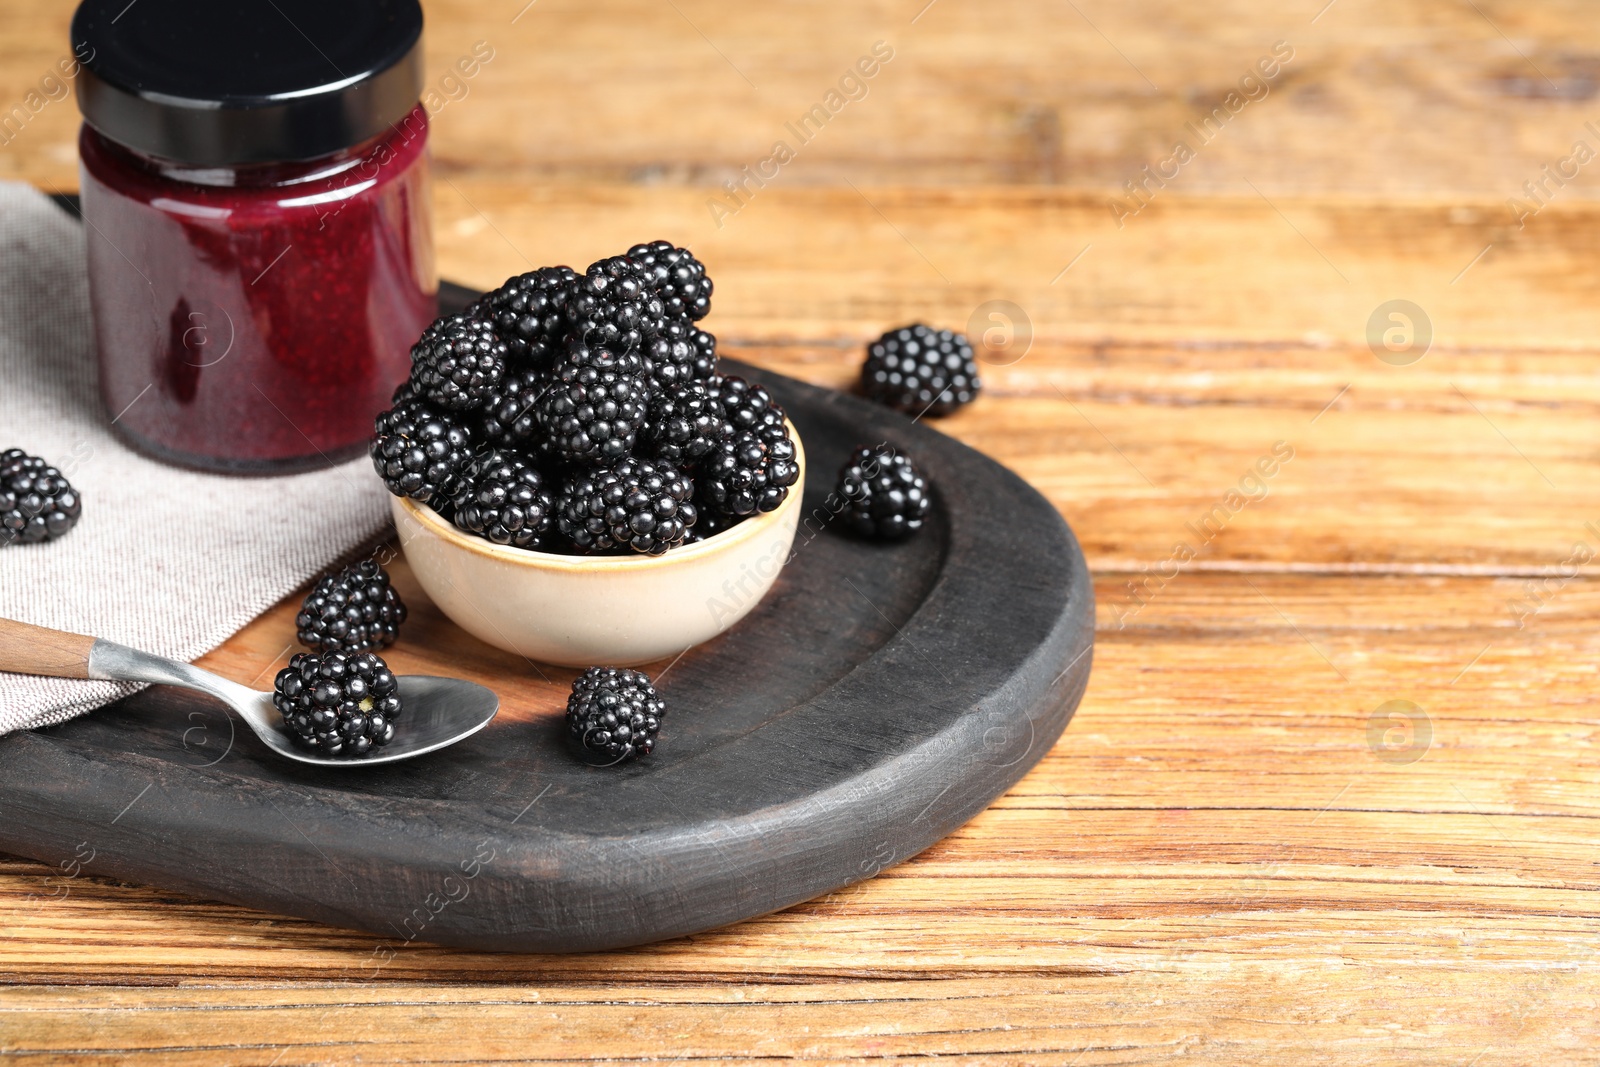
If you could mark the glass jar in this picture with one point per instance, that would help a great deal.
(258, 222)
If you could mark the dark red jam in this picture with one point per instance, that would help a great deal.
(255, 317)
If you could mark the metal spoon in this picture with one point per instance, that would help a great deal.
(437, 712)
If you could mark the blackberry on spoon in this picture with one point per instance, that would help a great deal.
(338, 703)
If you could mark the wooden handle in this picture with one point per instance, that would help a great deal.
(27, 649)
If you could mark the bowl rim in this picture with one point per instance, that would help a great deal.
(747, 530)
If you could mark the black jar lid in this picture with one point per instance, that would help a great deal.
(218, 82)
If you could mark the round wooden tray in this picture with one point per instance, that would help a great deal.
(877, 699)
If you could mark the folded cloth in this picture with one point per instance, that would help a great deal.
(164, 559)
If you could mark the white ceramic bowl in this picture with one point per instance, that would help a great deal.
(613, 611)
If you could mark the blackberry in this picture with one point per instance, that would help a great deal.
(352, 611)
(337, 703)
(457, 362)
(592, 414)
(36, 502)
(747, 406)
(921, 371)
(613, 715)
(504, 500)
(529, 312)
(684, 424)
(637, 504)
(613, 306)
(677, 277)
(419, 452)
(748, 473)
(600, 356)
(509, 418)
(705, 353)
(680, 353)
(885, 496)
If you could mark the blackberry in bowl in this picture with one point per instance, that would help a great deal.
(571, 478)
(619, 609)
(635, 505)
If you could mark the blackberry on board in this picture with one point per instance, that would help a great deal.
(677, 277)
(337, 703)
(353, 610)
(613, 715)
(750, 472)
(636, 504)
(921, 371)
(419, 451)
(457, 361)
(683, 424)
(504, 500)
(885, 496)
(37, 503)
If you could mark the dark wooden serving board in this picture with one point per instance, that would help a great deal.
(877, 699)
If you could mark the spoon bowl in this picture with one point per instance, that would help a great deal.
(435, 712)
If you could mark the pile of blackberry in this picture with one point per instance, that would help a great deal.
(583, 414)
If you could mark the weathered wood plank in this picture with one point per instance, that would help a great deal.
(1406, 1015)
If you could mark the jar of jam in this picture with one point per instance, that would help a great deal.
(256, 206)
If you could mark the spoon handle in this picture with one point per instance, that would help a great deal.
(27, 649)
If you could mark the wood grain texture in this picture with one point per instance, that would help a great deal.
(1223, 859)
(32, 649)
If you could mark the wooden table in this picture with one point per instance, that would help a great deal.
(1243, 850)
